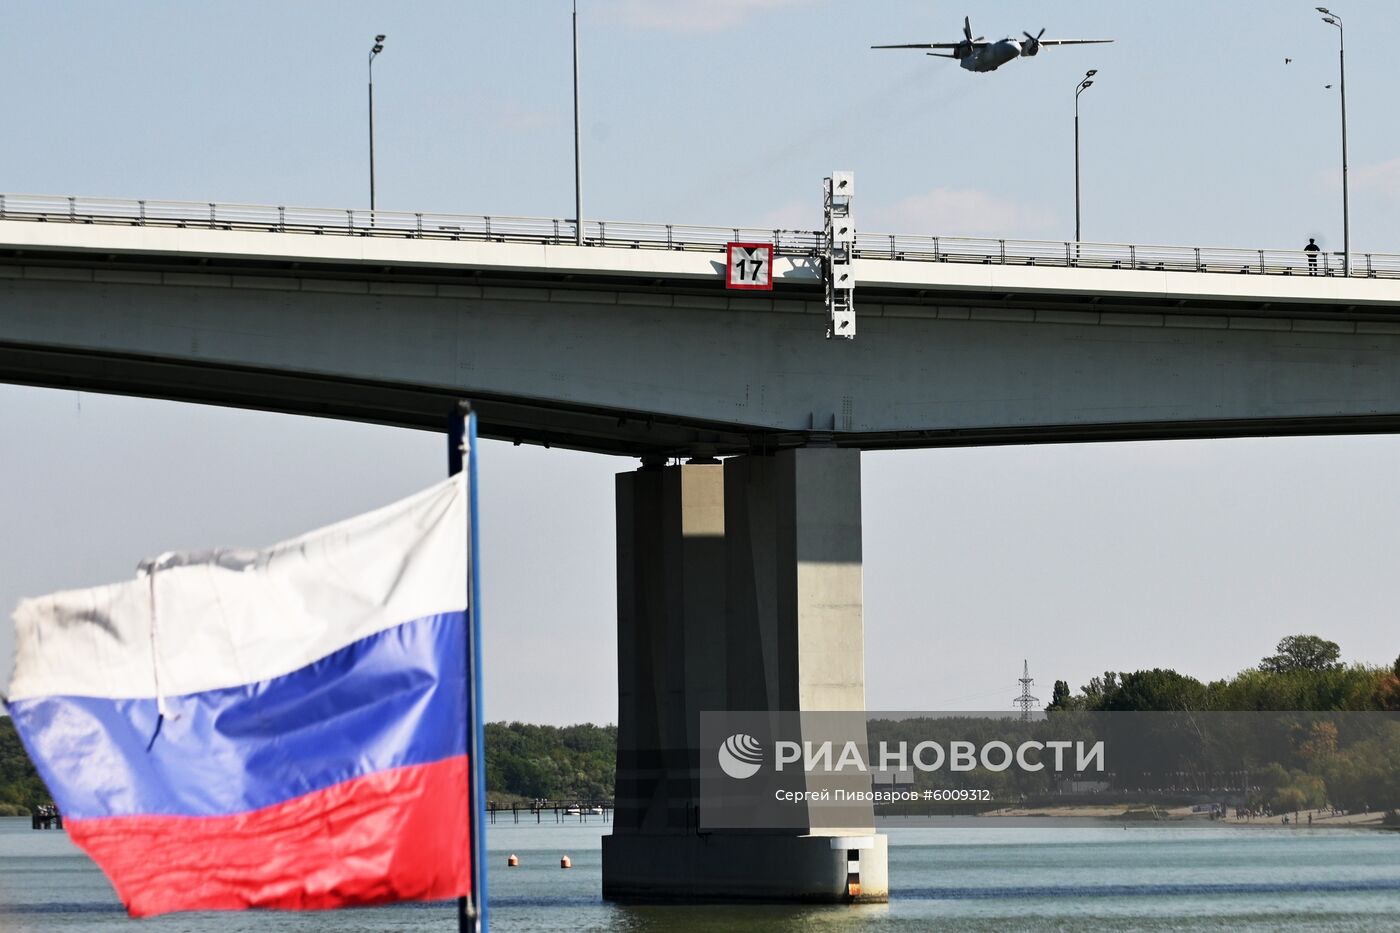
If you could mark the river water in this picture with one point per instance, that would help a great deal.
(1139, 878)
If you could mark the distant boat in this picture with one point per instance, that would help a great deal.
(596, 810)
(573, 811)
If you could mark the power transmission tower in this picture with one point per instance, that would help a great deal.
(1025, 701)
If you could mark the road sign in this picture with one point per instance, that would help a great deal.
(750, 266)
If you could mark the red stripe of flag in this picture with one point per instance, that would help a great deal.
(399, 834)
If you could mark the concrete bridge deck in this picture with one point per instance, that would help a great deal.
(637, 348)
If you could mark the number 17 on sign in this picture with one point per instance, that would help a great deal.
(750, 266)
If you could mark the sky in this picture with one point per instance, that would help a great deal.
(1078, 558)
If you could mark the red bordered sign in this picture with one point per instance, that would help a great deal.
(750, 266)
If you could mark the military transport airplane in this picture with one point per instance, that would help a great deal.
(981, 55)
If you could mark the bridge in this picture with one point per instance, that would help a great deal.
(739, 581)
(631, 345)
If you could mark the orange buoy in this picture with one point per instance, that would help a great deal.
(565, 862)
(513, 861)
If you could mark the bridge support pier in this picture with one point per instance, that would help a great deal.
(739, 588)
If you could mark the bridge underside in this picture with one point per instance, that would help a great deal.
(669, 364)
(599, 430)
(424, 407)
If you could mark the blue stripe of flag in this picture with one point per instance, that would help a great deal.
(391, 699)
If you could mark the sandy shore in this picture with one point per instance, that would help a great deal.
(1148, 812)
(1319, 818)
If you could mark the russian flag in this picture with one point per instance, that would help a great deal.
(282, 728)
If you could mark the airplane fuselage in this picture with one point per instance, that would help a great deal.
(980, 55)
(991, 56)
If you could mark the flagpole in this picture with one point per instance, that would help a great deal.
(462, 447)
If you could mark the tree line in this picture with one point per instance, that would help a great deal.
(523, 762)
(21, 789)
(579, 763)
(1304, 673)
(1278, 737)
(556, 763)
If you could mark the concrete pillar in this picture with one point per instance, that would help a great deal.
(794, 562)
(670, 637)
(739, 588)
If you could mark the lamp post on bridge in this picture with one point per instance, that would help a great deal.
(578, 178)
(373, 52)
(1084, 84)
(1333, 19)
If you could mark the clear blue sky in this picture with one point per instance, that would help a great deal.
(1197, 556)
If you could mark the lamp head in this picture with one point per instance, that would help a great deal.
(1091, 72)
(379, 38)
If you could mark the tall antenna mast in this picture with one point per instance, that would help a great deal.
(1025, 701)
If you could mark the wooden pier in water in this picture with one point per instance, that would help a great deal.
(46, 816)
(580, 812)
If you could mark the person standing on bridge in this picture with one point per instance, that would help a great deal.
(1312, 249)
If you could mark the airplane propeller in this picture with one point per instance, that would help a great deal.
(1032, 43)
(964, 48)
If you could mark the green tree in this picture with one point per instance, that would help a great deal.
(1388, 693)
(1157, 689)
(561, 764)
(1059, 696)
(1284, 789)
(1303, 653)
(1366, 776)
(1097, 688)
(1337, 688)
(20, 785)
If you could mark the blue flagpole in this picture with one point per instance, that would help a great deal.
(478, 718)
(462, 448)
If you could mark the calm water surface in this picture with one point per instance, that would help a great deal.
(1148, 878)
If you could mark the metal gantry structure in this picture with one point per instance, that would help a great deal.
(838, 246)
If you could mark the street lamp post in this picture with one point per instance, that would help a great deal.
(374, 51)
(578, 178)
(1084, 84)
(1334, 20)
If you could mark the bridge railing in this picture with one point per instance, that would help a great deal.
(1122, 256)
(547, 231)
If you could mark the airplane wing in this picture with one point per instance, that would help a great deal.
(1074, 41)
(930, 45)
